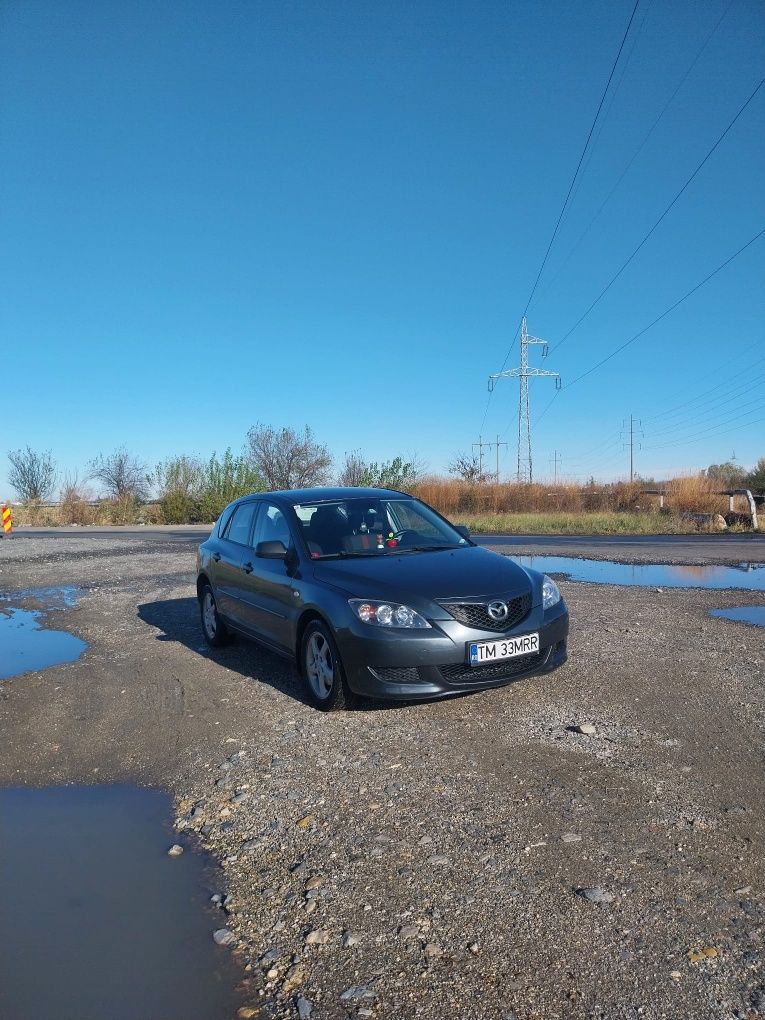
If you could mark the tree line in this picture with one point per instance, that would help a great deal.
(192, 489)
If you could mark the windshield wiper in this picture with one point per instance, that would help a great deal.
(342, 555)
(427, 548)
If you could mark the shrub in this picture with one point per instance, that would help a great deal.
(225, 479)
(193, 491)
(74, 502)
(287, 459)
(32, 474)
(755, 480)
(122, 475)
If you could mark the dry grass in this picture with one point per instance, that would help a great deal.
(695, 494)
(604, 523)
(569, 509)
(77, 510)
(450, 496)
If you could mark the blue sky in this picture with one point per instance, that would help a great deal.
(215, 214)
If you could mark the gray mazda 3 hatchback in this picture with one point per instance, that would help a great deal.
(372, 592)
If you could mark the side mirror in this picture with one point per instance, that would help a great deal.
(271, 550)
(463, 530)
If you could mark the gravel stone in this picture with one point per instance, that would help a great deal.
(224, 937)
(357, 993)
(304, 1007)
(596, 894)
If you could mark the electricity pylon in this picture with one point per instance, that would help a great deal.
(525, 472)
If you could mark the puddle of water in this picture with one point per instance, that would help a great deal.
(96, 920)
(61, 597)
(26, 647)
(742, 614)
(749, 576)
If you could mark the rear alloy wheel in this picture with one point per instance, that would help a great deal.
(322, 669)
(213, 628)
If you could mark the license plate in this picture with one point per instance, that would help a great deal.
(482, 652)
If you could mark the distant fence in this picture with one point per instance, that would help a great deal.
(752, 500)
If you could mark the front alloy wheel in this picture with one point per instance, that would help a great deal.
(322, 669)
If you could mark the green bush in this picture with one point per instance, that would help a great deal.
(179, 507)
(193, 491)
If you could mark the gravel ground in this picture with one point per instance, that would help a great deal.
(468, 858)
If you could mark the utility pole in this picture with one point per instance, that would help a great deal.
(633, 431)
(480, 444)
(525, 470)
(497, 446)
(556, 458)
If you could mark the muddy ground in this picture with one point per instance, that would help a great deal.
(429, 860)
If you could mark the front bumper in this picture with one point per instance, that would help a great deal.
(413, 665)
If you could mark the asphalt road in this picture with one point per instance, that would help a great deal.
(724, 548)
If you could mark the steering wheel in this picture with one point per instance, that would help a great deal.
(407, 537)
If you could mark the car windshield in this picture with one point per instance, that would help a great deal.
(373, 527)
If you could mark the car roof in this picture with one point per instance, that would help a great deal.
(327, 494)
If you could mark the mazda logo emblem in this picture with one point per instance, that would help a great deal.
(497, 611)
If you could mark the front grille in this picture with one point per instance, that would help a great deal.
(396, 674)
(461, 673)
(476, 615)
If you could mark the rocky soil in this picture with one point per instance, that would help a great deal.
(478, 857)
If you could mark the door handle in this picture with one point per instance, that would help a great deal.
(216, 557)
(247, 568)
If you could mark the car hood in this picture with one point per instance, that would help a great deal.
(471, 572)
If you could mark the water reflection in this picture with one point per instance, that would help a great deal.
(749, 576)
(96, 920)
(754, 615)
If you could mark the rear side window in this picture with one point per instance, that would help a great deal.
(225, 517)
(241, 522)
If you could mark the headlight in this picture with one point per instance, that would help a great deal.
(387, 614)
(550, 593)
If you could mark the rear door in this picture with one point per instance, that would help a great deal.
(272, 597)
(228, 574)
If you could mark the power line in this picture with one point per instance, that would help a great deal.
(692, 439)
(704, 393)
(624, 265)
(642, 145)
(713, 408)
(581, 158)
(658, 319)
(598, 451)
(713, 425)
(568, 195)
(614, 93)
(667, 311)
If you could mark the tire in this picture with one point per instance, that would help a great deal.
(322, 669)
(215, 632)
